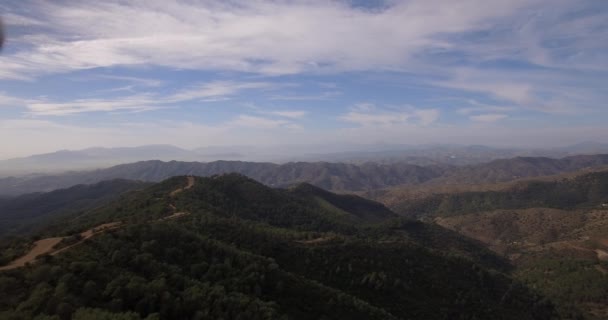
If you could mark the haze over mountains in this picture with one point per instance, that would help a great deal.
(330, 176)
(94, 158)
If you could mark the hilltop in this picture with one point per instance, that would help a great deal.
(228, 246)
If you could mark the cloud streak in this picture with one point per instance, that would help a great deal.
(137, 102)
(215, 35)
(368, 115)
(490, 117)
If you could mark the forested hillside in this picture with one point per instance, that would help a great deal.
(554, 231)
(585, 191)
(21, 214)
(229, 247)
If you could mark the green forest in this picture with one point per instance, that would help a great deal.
(247, 251)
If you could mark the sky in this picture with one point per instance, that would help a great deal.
(77, 74)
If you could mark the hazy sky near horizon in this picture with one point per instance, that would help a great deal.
(75, 74)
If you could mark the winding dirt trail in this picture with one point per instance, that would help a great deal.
(46, 246)
(89, 234)
(177, 214)
(40, 247)
(317, 240)
(173, 193)
(189, 185)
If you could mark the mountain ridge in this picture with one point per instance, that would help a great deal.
(437, 154)
(327, 175)
(248, 251)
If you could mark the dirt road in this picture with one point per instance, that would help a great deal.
(45, 246)
(189, 185)
(40, 247)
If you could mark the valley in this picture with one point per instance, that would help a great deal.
(545, 235)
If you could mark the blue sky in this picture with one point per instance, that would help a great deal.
(75, 74)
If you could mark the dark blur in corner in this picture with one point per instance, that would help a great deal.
(1, 34)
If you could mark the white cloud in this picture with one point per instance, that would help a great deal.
(546, 91)
(218, 89)
(476, 107)
(131, 103)
(327, 95)
(285, 37)
(13, 19)
(9, 101)
(136, 81)
(257, 122)
(427, 116)
(367, 115)
(293, 114)
(512, 55)
(490, 117)
(373, 119)
(279, 37)
(213, 91)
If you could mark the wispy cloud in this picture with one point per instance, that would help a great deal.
(131, 103)
(547, 91)
(497, 59)
(368, 115)
(217, 35)
(490, 117)
(14, 19)
(311, 97)
(136, 81)
(218, 89)
(139, 102)
(258, 122)
(292, 114)
(478, 107)
(6, 100)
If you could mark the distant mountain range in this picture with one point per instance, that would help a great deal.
(453, 154)
(330, 176)
(93, 158)
(426, 155)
